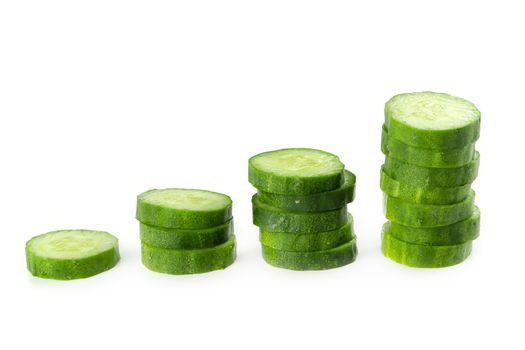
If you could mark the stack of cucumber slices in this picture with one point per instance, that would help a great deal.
(428, 139)
(301, 209)
(186, 231)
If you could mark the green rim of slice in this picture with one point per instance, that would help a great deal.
(189, 261)
(71, 254)
(310, 261)
(432, 120)
(307, 242)
(183, 208)
(419, 255)
(297, 171)
(173, 238)
(323, 201)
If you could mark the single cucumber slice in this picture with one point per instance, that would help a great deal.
(307, 242)
(274, 219)
(427, 215)
(183, 208)
(71, 254)
(423, 195)
(424, 157)
(432, 120)
(313, 202)
(174, 238)
(432, 177)
(460, 232)
(189, 261)
(319, 260)
(295, 171)
(419, 255)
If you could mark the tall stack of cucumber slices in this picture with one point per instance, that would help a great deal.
(186, 231)
(301, 209)
(428, 139)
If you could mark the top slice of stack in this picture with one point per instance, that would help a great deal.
(429, 142)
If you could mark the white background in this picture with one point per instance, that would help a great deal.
(102, 100)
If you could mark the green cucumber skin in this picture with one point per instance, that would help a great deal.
(419, 255)
(307, 242)
(311, 261)
(158, 215)
(422, 195)
(432, 177)
(460, 232)
(185, 239)
(189, 261)
(69, 269)
(293, 185)
(450, 158)
(323, 201)
(274, 219)
(432, 139)
(427, 215)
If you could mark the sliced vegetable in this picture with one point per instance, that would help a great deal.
(419, 255)
(175, 238)
(428, 215)
(449, 158)
(71, 254)
(460, 232)
(274, 219)
(319, 260)
(323, 201)
(432, 120)
(183, 208)
(307, 242)
(189, 261)
(295, 171)
(423, 195)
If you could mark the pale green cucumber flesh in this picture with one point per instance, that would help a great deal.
(189, 261)
(305, 242)
(274, 219)
(305, 261)
(449, 158)
(460, 232)
(422, 195)
(419, 255)
(71, 254)
(427, 215)
(297, 171)
(183, 208)
(173, 238)
(432, 120)
(432, 177)
(323, 201)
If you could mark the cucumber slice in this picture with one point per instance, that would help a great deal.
(189, 261)
(307, 242)
(424, 157)
(313, 202)
(460, 232)
(295, 171)
(423, 195)
(432, 120)
(432, 177)
(428, 215)
(183, 208)
(419, 255)
(173, 238)
(319, 260)
(274, 219)
(71, 254)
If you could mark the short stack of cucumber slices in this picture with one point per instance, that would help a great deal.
(428, 139)
(186, 231)
(301, 209)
